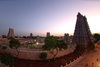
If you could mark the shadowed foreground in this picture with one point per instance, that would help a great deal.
(39, 63)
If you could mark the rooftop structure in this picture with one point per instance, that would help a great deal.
(66, 37)
(82, 33)
(37, 38)
(31, 35)
(10, 33)
(48, 34)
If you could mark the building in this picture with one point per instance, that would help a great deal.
(31, 35)
(82, 33)
(37, 38)
(48, 34)
(66, 37)
(10, 33)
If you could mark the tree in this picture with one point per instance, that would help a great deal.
(97, 37)
(4, 47)
(43, 56)
(7, 59)
(79, 49)
(14, 43)
(91, 45)
(4, 36)
(16, 36)
(28, 37)
(24, 37)
(52, 45)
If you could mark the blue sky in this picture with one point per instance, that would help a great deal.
(41, 16)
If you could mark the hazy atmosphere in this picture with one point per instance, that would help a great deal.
(42, 16)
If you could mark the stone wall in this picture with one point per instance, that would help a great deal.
(34, 55)
(73, 63)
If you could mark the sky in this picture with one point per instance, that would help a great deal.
(42, 16)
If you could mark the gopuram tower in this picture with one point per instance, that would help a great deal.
(31, 35)
(48, 34)
(82, 34)
(10, 33)
(66, 37)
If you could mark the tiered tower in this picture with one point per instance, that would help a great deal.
(82, 33)
(48, 34)
(66, 37)
(10, 33)
(38, 38)
(31, 35)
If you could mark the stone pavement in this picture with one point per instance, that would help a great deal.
(92, 59)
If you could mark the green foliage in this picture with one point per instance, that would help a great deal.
(79, 49)
(4, 47)
(51, 44)
(61, 44)
(14, 43)
(34, 37)
(43, 56)
(11, 38)
(97, 37)
(20, 37)
(16, 36)
(7, 59)
(28, 36)
(51, 52)
(91, 45)
(24, 37)
(4, 36)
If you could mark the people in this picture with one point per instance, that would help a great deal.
(92, 64)
(97, 59)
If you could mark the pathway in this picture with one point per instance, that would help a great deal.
(92, 59)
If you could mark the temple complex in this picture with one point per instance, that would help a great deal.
(10, 33)
(82, 33)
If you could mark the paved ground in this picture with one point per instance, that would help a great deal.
(92, 59)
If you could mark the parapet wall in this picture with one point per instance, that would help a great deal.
(75, 61)
(34, 55)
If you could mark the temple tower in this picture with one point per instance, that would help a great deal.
(66, 37)
(82, 33)
(38, 38)
(48, 34)
(31, 35)
(10, 33)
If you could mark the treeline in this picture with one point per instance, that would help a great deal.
(96, 37)
(4, 36)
